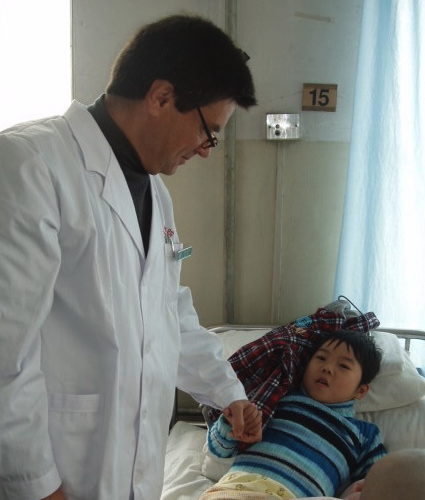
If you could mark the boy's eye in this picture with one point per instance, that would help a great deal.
(320, 357)
(345, 367)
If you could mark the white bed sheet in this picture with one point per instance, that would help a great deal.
(183, 479)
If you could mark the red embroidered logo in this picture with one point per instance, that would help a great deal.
(168, 233)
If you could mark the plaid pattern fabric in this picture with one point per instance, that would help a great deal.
(272, 365)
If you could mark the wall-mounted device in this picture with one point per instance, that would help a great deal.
(283, 126)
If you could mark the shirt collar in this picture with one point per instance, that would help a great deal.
(124, 151)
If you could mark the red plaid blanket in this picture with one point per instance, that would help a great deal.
(272, 365)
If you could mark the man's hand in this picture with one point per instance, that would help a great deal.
(57, 495)
(245, 419)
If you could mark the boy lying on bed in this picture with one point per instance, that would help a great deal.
(313, 445)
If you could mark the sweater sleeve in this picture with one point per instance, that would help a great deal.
(372, 450)
(219, 441)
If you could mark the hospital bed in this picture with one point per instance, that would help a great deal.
(395, 402)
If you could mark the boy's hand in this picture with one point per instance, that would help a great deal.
(245, 419)
(353, 492)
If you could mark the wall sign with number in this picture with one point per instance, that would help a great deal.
(319, 97)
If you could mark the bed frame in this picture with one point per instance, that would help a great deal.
(192, 412)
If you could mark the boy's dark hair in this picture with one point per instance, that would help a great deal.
(193, 54)
(367, 353)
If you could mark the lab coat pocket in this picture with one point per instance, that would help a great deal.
(75, 427)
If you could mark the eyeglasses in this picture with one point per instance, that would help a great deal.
(212, 140)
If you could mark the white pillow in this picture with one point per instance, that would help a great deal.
(397, 384)
(233, 340)
(402, 427)
(183, 462)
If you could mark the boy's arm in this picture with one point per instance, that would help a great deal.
(373, 450)
(220, 439)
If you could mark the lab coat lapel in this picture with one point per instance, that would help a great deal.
(117, 194)
(156, 240)
(99, 158)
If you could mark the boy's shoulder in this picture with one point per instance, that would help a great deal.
(368, 433)
(367, 428)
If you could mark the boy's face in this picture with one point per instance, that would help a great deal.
(333, 374)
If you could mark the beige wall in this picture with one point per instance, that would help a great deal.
(255, 221)
(313, 193)
(314, 181)
(198, 195)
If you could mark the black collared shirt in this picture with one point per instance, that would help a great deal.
(137, 178)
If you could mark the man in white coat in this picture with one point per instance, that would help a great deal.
(95, 329)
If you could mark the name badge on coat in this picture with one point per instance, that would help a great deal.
(177, 250)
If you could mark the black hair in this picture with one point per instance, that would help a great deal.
(366, 352)
(195, 56)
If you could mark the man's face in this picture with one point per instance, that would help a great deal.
(183, 135)
(333, 374)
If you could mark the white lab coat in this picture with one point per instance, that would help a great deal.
(93, 335)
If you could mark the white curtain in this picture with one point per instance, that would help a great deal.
(381, 265)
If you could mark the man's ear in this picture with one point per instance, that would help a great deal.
(362, 391)
(160, 95)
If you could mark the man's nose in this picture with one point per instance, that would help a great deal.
(203, 152)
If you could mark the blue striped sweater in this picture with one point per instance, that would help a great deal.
(312, 448)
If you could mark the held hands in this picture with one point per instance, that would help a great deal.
(245, 419)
